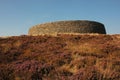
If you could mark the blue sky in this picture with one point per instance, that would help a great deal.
(17, 16)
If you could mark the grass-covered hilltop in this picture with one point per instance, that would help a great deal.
(63, 50)
(61, 57)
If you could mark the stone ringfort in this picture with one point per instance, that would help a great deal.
(75, 26)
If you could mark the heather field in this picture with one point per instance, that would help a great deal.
(61, 57)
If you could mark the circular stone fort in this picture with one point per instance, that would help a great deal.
(76, 26)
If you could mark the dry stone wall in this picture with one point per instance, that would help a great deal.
(78, 26)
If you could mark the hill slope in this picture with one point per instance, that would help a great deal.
(62, 57)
